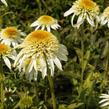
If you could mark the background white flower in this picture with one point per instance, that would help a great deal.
(84, 9)
(104, 18)
(11, 36)
(6, 52)
(45, 22)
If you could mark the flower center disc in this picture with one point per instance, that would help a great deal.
(4, 49)
(10, 32)
(46, 20)
(41, 41)
(87, 4)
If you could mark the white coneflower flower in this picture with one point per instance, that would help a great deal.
(8, 93)
(11, 36)
(40, 50)
(4, 2)
(105, 100)
(7, 52)
(104, 18)
(84, 9)
(47, 22)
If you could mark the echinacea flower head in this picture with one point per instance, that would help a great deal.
(40, 51)
(8, 93)
(46, 22)
(4, 2)
(11, 36)
(85, 10)
(105, 100)
(7, 52)
(104, 18)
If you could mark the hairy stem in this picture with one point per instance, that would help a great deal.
(52, 91)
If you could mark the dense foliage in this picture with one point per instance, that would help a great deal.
(85, 74)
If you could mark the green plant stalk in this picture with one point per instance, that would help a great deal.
(52, 91)
(39, 5)
(82, 61)
(1, 83)
(106, 68)
(36, 91)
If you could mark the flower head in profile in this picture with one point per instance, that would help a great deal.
(45, 22)
(40, 51)
(6, 52)
(11, 36)
(4, 2)
(85, 10)
(105, 100)
(104, 18)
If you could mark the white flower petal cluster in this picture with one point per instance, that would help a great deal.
(11, 36)
(40, 51)
(84, 10)
(104, 18)
(45, 22)
(7, 53)
(105, 100)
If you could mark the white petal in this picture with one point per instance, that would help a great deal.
(48, 28)
(70, 11)
(62, 56)
(72, 19)
(103, 22)
(57, 63)
(21, 62)
(90, 20)
(63, 49)
(43, 27)
(105, 104)
(58, 26)
(104, 100)
(18, 57)
(23, 34)
(104, 96)
(37, 27)
(35, 65)
(7, 62)
(108, 24)
(80, 20)
(35, 75)
(3, 1)
(34, 24)
(53, 27)
(43, 67)
(51, 65)
(14, 44)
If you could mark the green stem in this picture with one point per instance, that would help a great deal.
(82, 60)
(1, 84)
(106, 68)
(39, 5)
(36, 92)
(52, 91)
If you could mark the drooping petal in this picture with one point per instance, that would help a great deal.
(90, 20)
(57, 62)
(4, 2)
(72, 19)
(7, 62)
(51, 65)
(34, 24)
(70, 11)
(103, 100)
